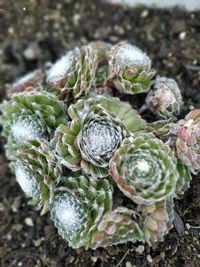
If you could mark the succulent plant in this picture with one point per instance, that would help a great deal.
(37, 171)
(165, 99)
(117, 226)
(156, 219)
(77, 207)
(32, 183)
(144, 169)
(31, 115)
(74, 72)
(105, 174)
(39, 157)
(130, 68)
(188, 140)
(94, 134)
(29, 82)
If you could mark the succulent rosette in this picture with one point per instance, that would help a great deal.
(77, 207)
(144, 169)
(31, 115)
(95, 132)
(130, 68)
(32, 183)
(37, 170)
(156, 219)
(165, 99)
(188, 140)
(117, 226)
(29, 82)
(74, 72)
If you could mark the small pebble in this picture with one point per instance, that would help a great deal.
(144, 13)
(182, 36)
(128, 264)
(30, 53)
(71, 259)
(140, 249)
(2, 208)
(76, 19)
(162, 255)
(149, 258)
(28, 221)
(37, 242)
(93, 259)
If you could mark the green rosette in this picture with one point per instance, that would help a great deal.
(74, 72)
(97, 129)
(144, 169)
(32, 115)
(77, 207)
(130, 69)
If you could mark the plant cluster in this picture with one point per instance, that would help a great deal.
(79, 152)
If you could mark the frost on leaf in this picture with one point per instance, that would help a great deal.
(24, 129)
(27, 181)
(132, 55)
(68, 215)
(60, 69)
(100, 139)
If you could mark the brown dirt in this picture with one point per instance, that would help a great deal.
(35, 32)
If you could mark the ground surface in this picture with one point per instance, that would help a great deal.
(35, 32)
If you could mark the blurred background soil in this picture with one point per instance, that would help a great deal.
(33, 33)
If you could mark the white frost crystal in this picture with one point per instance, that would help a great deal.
(67, 214)
(24, 129)
(60, 69)
(132, 55)
(27, 181)
(99, 138)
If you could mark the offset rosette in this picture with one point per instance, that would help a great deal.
(77, 207)
(29, 82)
(37, 171)
(188, 141)
(116, 227)
(31, 115)
(94, 134)
(165, 99)
(156, 219)
(74, 72)
(40, 159)
(130, 68)
(32, 183)
(144, 169)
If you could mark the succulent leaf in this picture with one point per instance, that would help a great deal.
(184, 180)
(144, 169)
(30, 82)
(130, 68)
(32, 183)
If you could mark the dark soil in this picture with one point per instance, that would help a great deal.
(35, 32)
